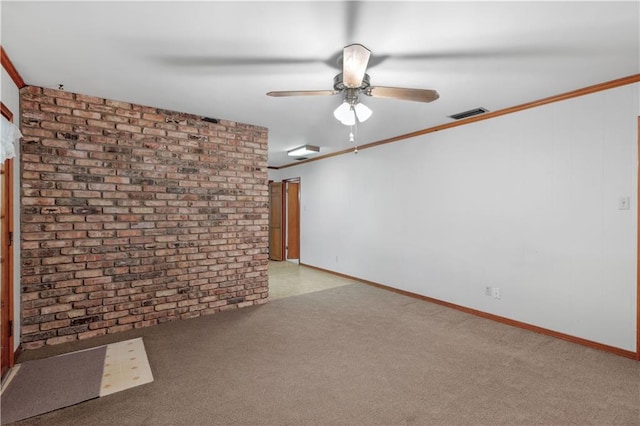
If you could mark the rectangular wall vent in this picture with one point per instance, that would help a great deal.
(470, 113)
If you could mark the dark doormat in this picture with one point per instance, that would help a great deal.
(52, 383)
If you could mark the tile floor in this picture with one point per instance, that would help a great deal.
(288, 279)
(125, 366)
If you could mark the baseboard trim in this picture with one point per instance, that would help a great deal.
(16, 354)
(523, 325)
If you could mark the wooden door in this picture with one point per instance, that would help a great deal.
(293, 220)
(276, 212)
(6, 259)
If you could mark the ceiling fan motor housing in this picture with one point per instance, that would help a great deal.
(338, 83)
(351, 94)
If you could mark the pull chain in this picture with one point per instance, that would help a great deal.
(352, 137)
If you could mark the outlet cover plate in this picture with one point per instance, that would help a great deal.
(623, 203)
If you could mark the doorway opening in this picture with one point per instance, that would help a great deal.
(292, 220)
(276, 228)
(284, 220)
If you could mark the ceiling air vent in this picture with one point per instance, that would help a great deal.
(467, 114)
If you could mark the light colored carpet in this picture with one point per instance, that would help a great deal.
(358, 355)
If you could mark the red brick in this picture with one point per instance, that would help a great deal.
(115, 118)
(55, 109)
(89, 99)
(101, 124)
(145, 323)
(129, 128)
(72, 120)
(165, 306)
(128, 113)
(115, 198)
(115, 315)
(118, 104)
(56, 126)
(56, 260)
(55, 324)
(33, 345)
(102, 325)
(120, 328)
(30, 329)
(152, 131)
(70, 104)
(61, 339)
(92, 333)
(74, 313)
(55, 308)
(131, 319)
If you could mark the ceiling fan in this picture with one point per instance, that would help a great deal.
(353, 81)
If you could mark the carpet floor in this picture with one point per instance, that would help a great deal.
(44, 385)
(359, 355)
(49, 384)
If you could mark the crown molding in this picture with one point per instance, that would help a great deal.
(6, 112)
(11, 70)
(557, 98)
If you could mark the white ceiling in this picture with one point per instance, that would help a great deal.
(218, 59)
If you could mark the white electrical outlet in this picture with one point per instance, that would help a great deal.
(623, 203)
(496, 293)
(488, 291)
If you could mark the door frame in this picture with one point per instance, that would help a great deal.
(6, 236)
(288, 220)
(638, 251)
(281, 255)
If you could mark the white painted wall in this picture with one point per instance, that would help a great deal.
(526, 202)
(10, 96)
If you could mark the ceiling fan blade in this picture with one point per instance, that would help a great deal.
(282, 93)
(418, 95)
(355, 58)
(231, 61)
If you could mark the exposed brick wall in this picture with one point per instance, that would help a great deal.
(133, 216)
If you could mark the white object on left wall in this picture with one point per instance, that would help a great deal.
(10, 135)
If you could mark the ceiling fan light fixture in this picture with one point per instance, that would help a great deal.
(362, 112)
(349, 119)
(345, 114)
(303, 150)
